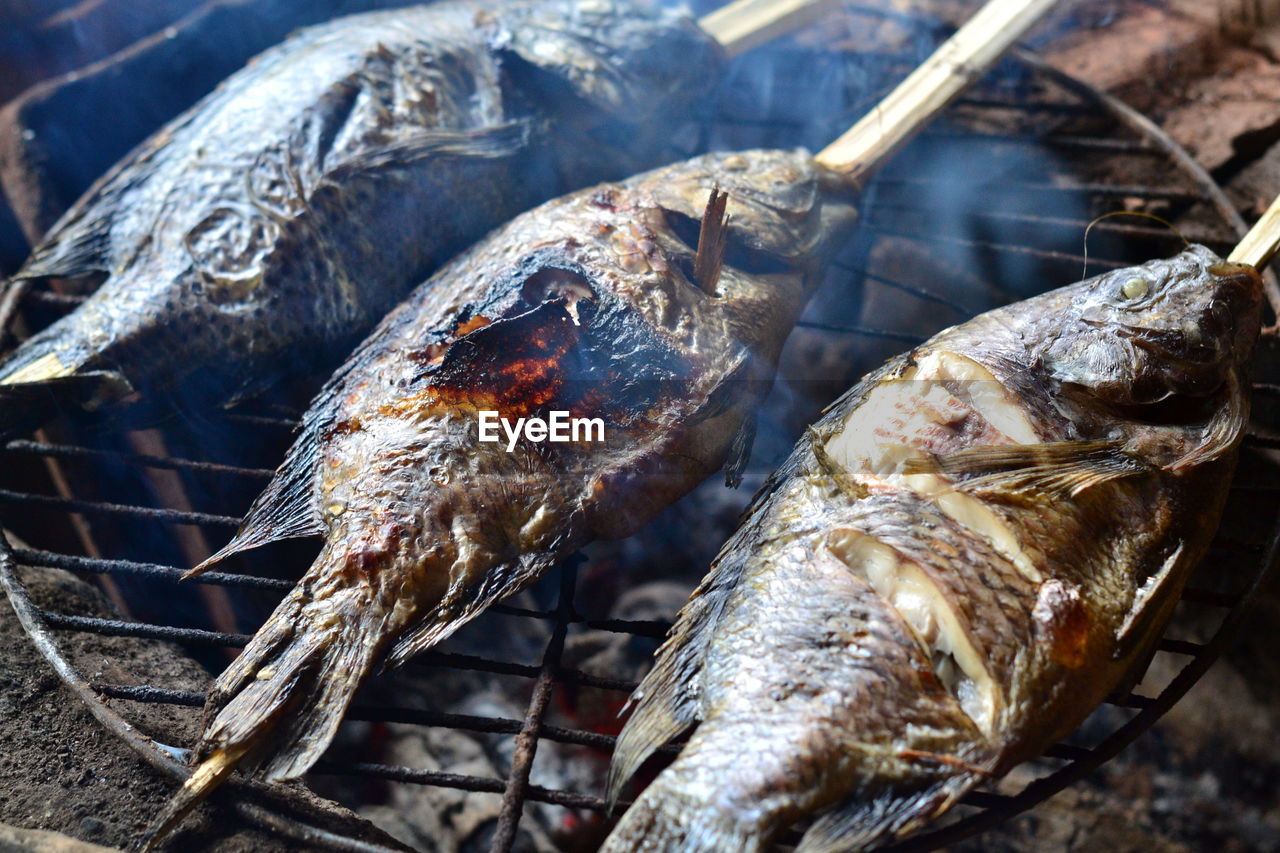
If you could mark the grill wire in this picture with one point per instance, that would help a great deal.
(1026, 237)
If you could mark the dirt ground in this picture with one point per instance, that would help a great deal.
(61, 771)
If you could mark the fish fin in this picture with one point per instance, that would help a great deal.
(728, 389)
(497, 583)
(740, 451)
(79, 250)
(663, 710)
(278, 705)
(286, 509)
(1057, 469)
(1223, 431)
(1154, 598)
(40, 390)
(488, 143)
(862, 821)
(211, 773)
(671, 816)
(666, 702)
(833, 469)
(730, 392)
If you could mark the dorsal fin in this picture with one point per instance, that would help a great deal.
(493, 142)
(286, 509)
(666, 702)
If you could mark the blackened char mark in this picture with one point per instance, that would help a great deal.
(587, 358)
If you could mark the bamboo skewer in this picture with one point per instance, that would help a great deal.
(745, 24)
(953, 67)
(1260, 244)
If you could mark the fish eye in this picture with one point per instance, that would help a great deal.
(1135, 288)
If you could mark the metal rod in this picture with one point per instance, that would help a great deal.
(1007, 248)
(71, 451)
(863, 331)
(146, 694)
(1063, 223)
(1049, 189)
(99, 565)
(527, 740)
(104, 508)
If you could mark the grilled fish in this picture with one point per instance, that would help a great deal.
(268, 228)
(959, 561)
(633, 303)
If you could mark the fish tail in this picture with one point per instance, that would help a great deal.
(206, 777)
(296, 678)
(277, 707)
(36, 390)
(676, 814)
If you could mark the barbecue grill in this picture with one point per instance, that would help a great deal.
(1045, 155)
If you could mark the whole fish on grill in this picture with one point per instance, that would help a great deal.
(658, 305)
(971, 550)
(268, 228)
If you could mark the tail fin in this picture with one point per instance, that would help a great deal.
(208, 776)
(28, 399)
(277, 707)
(295, 680)
(673, 816)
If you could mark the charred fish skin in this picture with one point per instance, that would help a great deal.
(588, 304)
(267, 229)
(959, 561)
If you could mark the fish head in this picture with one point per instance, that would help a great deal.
(1156, 355)
(625, 60)
(1175, 327)
(611, 284)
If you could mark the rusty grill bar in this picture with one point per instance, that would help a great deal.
(889, 201)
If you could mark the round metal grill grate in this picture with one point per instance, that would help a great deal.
(997, 194)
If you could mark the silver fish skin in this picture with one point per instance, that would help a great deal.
(266, 230)
(591, 304)
(971, 549)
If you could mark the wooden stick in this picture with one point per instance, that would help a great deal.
(745, 24)
(1260, 244)
(959, 62)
